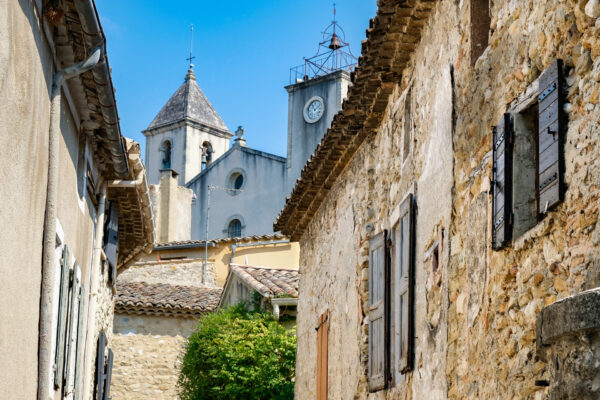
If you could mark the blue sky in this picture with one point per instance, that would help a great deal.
(243, 50)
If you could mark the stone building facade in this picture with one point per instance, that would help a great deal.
(402, 204)
(75, 202)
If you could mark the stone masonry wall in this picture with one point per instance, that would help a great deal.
(475, 317)
(496, 295)
(147, 348)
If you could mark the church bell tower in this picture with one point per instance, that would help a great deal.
(315, 95)
(186, 135)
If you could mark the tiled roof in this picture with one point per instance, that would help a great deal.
(188, 102)
(163, 299)
(199, 243)
(391, 39)
(269, 282)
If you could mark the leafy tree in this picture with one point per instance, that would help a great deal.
(238, 354)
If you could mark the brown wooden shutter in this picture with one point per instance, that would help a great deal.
(377, 324)
(322, 355)
(403, 294)
(100, 366)
(111, 237)
(502, 183)
(63, 311)
(552, 124)
(108, 375)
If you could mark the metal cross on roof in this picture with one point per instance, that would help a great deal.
(191, 57)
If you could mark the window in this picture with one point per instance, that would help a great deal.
(528, 160)
(104, 366)
(207, 153)
(322, 355)
(407, 126)
(391, 285)
(234, 229)
(236, 181)
(165, 149)
(68, 350)
(480, 28)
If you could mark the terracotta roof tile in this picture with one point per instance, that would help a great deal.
(269, 282)
(163, 299)
(199, 243)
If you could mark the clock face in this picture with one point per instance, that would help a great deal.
(313, 110)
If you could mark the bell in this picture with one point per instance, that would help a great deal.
(334, 44)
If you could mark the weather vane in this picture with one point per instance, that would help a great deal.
(191, 45)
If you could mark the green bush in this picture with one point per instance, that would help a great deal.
(238, 354)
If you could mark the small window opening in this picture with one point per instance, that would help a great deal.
(207, 154)
(236, 182)
(525, 175)
(166, 155)
(234, 229)
(480, 28)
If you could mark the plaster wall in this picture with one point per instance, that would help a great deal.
(26, 68)
(303, 137)
(184, 265)
(193, 157)
(176, 134)
(256, 206)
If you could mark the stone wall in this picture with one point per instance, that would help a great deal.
(475, 316)
(146, 356)
(186, 272)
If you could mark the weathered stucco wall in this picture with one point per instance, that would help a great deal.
(475, 318)
(25, 73)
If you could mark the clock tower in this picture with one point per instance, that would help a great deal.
(317, 90)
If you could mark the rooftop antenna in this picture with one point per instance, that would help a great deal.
(191, 57)
(333, 54)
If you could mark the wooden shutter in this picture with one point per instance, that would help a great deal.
(71, 336)
(377, 324)
(111, 236)
(402, 302)
(100, 366)
(80, 346)
(502, 183)
(108, 375)
(322, 355)
(63, 310)
(552, 124)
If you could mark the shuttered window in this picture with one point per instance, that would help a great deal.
(111, 236)
(80, 346)
(402, 293)
(552, 124)
(502, 183)
(377, 313)
(100, 362)
(322, 355)
(63, 312)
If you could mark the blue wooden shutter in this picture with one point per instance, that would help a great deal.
(100, 366)
(80, 346)
(63, 310)
(111, 236)
(552, 126)
(403, 293)
(108, 375)
(502, 183)
(377, 299)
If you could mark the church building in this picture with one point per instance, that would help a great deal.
(237, 190)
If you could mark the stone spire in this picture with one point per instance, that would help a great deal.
(189, 103)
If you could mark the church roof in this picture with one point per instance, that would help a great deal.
(188, 103)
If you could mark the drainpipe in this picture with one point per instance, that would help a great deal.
(96, 265)
(49, 238)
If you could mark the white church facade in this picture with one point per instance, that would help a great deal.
(235, 190)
